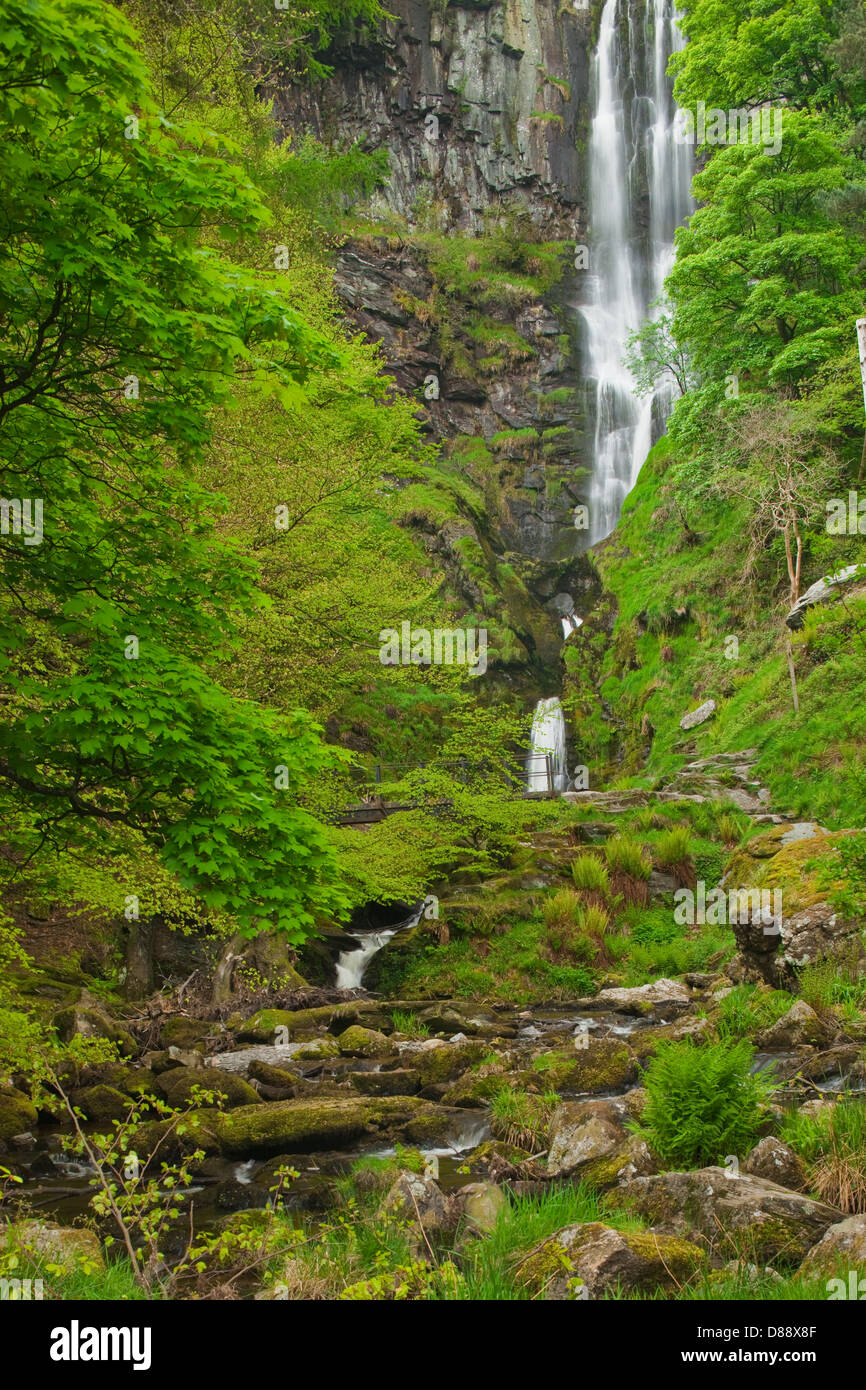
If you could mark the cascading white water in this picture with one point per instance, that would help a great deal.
(548, 736)
(352, 965)
(632, 148)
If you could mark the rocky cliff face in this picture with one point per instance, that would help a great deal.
(466, 277)
(473, 101)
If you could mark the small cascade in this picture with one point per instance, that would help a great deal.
(548, 736)
(352, 965)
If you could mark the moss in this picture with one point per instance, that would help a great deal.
(603, 1066)
(365, 1042)
(17, 1113)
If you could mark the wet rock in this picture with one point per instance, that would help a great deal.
(467, 1019)
(306, 1125)
(232, 1195)
(277, 1077)
(725, 1212)
(586, 1260)
(774, 1160)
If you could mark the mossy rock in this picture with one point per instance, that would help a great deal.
(446, 1063)
(72, 1250)
(264, 1025)
(93, 1023)
(17, 1113)
(356, 1041)
(473, 1092)
(605, 1064)
(304, 1125)
(401, 1081)
(588, 1259)
(183, 1032)
(272, 1076)
(177, 1086)
(101, 1102)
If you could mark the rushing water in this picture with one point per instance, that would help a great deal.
(547, 737)
(639, 191)
(352, 965)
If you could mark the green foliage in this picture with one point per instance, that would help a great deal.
(590, 874)
(833, 1143)
(625, 855)
(703, 1103)
(748, 1010)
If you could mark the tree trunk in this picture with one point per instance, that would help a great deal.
(139, 960)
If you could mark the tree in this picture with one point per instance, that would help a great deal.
(653, 353)
(123, 325)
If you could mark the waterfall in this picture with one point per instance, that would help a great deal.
(639, 192)
(352, 965)
(548, 736)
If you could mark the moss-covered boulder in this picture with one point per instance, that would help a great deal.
(581, 1133)
(730, 1215)
(72, 1250)
(101, 1102)
(586, 1260)
(272, 1025)
(17, 1113)
(272, 1076)
(437, 1062)
(91, 1022)
(356, 1041)
(472, 1092)
(598, 1064)
(308, 1124)
(180, 1031)
(177, 1086)
(799, 1027)
(402, 1081)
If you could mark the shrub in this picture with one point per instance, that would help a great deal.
(703, 1102)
